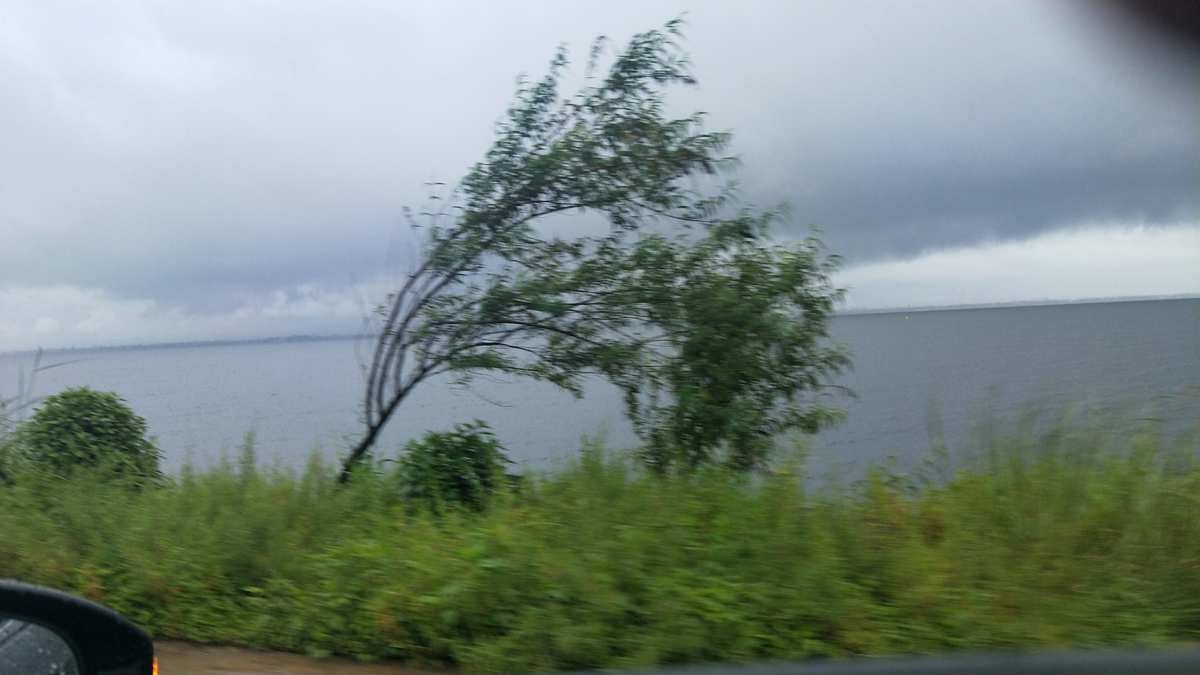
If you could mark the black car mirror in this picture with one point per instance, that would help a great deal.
(49, 632)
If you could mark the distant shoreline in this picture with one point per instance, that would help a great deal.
(352, 336)
(1015, 305)
(286, 339)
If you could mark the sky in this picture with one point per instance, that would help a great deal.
(181, 170)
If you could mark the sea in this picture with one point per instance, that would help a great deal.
(921, 379)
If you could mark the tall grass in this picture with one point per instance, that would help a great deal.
(1070, 538)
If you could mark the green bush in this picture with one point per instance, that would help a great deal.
(462, 467)
(82, 427)
(1070, 538)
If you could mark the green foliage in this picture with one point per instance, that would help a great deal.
(714, 331)
(463, 467)
(1073, 537)
(82, 427)
(746, 327)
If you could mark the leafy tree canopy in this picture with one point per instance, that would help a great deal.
(714, 331)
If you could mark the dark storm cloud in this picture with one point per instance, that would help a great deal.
(947, 124)
(900, 208)
(199, 153)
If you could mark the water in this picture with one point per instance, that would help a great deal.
(916, 375)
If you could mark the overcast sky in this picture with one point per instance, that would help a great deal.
(192, 170)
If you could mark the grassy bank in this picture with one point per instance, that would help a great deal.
(1071, 538)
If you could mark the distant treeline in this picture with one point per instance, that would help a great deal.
(191, 343)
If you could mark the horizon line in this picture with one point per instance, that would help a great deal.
(900, 309)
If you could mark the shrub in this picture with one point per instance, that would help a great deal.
(464, 467)
(82, 427)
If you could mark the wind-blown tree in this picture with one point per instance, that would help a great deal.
(714, 332)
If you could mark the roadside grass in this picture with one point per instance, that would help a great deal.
(1066, 537)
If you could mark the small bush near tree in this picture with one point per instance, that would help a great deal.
(463, 467)
(82, 427)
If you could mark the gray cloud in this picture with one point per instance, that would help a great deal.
(198, 154)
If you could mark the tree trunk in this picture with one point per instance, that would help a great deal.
(359, 450)
(373, 430)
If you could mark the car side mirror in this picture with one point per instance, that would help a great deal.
(49, 632)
